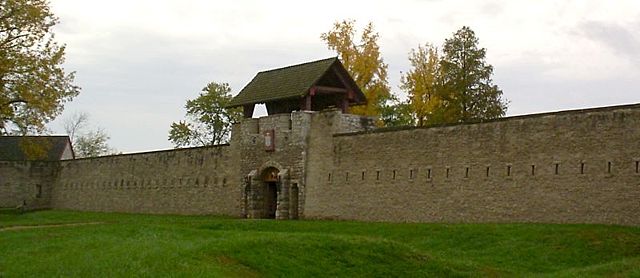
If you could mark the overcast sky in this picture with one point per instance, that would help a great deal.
(138, 61)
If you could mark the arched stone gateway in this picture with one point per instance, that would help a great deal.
(271, 188)
(267, 194)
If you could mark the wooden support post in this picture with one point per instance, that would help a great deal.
(345, 105)
(247, 110)
(351, 95)
(307, 103)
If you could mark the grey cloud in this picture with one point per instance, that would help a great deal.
(135, 83)
(531, 90)
(492, 9)
(622, 40)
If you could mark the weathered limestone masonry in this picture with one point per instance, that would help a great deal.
(25, 183)
(225, 180)
(567, 167)
(183, 181)
(311, 159)
(578, 166)
(287, 160)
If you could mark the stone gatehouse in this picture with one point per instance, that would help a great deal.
(309, 158)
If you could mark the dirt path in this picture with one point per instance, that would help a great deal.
(16, 228)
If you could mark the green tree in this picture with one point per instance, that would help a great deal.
(363, 61)
(92, 144)
(34, 86)
(75, 124)
(423, 84)
(396, 113)
(89, 143)
(468, 93)
(208, 121)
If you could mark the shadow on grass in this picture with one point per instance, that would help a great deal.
(10, 211)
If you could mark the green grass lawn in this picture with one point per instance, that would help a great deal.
(153, 245)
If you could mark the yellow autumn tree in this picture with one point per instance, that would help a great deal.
(422, 84)
(34, 86)
(363, 61)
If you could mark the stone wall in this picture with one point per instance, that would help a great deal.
(567, 167)
(184, 181)
(290, 133)
(26, 184)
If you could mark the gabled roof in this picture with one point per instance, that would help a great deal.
(291, 82)
(21, 148)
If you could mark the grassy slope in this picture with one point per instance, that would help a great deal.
(148, 245)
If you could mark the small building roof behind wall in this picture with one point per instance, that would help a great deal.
(295, 82)
(44, 148)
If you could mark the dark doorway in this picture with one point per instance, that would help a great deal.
(271, 199)
(247, 196)
(293, 203)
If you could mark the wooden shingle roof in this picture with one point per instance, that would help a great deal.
(47, 148)
(289, 82)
